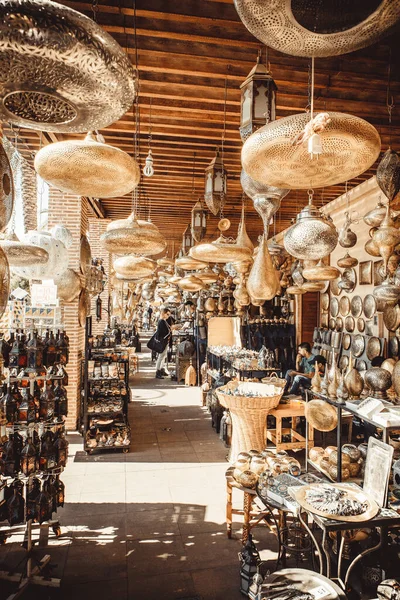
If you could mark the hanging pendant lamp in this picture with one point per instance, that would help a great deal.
(315, 28)
(188, 263)
(87, 168)
(222, 250)
(321, 272)
(242, 237)
(133, 236)
(190, 283)
(57, 261)
(350, 146)
(59, 70)
(253, 188)
(263, 281)
(313, 236)
(388, 175)
(20, 254)
(134, 267)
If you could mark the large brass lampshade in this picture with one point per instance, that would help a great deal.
(87, 168)
(6, 188)
(59, 70)
(133, 236)
(350, 146)
(134, 267)
(315, 28)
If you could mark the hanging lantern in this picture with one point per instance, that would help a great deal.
(98, 308)
(215, 184)
(134, 236)
(313, 236)
(258, 100)
(199, 221)
(187, 240)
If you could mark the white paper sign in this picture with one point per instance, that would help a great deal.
(43, 294)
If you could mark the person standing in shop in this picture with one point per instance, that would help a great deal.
(163, 333)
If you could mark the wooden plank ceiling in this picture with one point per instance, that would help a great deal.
(187, 49)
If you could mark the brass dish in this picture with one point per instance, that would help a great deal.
(394, 346)
(346, 341)
(343, 362)
(344, 306)
(83, 307)
(352, 493)
(358, 345)
(321, 415)
(348, 280)
(349, 324)
(270, 156)
(334, 307)
(360, 324)
(85, 255)
(373, 347)
(332, 323)
(324, 319)
(391, 317)
(369, 306)
(335, 289)
(339, 324)
(361, 365)
(356, 306)
(325, 301)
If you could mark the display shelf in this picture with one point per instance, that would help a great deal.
(317, 467)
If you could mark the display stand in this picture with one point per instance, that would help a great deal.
(89, 394)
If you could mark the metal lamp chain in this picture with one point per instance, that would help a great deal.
(95, 9)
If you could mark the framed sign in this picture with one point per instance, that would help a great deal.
(377, 470)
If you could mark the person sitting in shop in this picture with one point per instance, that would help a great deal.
(304, 372)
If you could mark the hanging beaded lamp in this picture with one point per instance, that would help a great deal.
(133, 236)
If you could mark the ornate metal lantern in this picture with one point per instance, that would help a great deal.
(215, 184)
(258, 100)
(249, 562)
(199, 221)
(187, 240)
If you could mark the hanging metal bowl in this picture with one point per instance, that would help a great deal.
(339, 324)
(358, 345)
(344, 306)
(391, 317)
(6, 187)
(373, 347)
(59, 70)
(350, 146)
(360, 324)
(356, 306)
(343, 362)
(87, 168)
(325, 301)
(334, 307)
(369, 306)
(311, 29)
(346, 342)
(332, 323)
(349, 324)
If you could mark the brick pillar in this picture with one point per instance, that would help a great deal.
(96, 228)
(71, 211)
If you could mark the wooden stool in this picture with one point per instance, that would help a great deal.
(251, 513)
(291, 410)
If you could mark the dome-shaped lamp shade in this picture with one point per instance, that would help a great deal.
(87, 168)
(57, 262)
(134, 267)
(59, 70)
(133, 236)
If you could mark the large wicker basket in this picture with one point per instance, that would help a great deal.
(249, 413)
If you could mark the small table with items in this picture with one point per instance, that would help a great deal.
(292, 410)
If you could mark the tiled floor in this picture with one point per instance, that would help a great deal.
(148, 524)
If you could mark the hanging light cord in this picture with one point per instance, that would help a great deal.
(150, 125)
(194, 164)
(389, 97)
(312, 88)
(95, 9)
(224, 128)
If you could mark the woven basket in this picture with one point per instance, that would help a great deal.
(249, 415)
